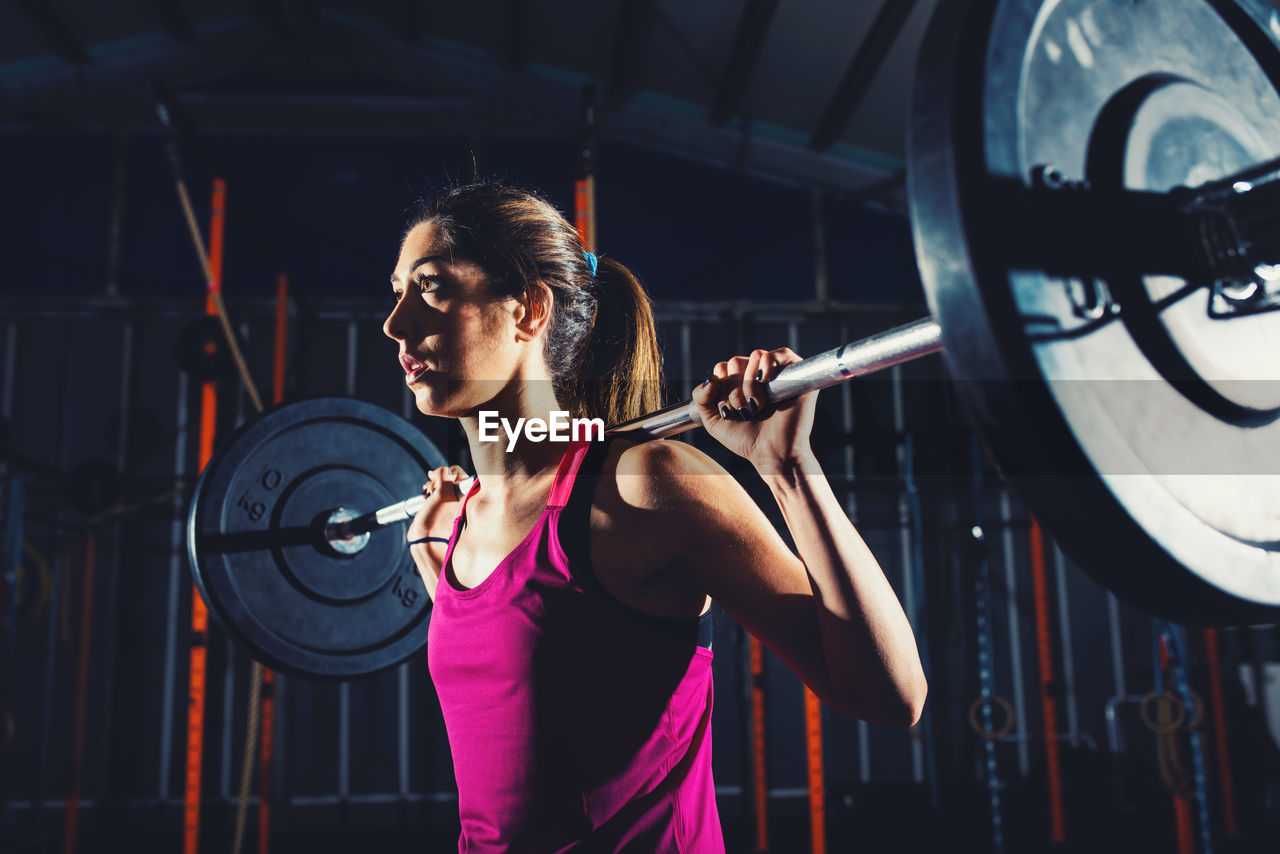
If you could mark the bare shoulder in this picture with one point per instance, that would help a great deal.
(676, 499)
(660, 508)
(654, 497)
(682, 508)
(661, 475)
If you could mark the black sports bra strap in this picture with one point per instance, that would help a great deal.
(575, 528)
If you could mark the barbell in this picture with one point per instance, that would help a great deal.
(1096, 225)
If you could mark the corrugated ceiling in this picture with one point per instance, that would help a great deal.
(773, 68)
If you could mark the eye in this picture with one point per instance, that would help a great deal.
(395, 296)
(426, 284)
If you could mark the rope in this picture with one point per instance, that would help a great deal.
(40, 567)
(126, 509)
(250, 750)
(215, 294)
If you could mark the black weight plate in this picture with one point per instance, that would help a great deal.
(258, 556)
(1160, 496)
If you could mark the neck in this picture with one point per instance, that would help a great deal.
(505, 457)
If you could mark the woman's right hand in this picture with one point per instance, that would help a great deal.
(435, 519)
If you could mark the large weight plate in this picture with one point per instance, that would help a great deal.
(261, 564)
(1166, 493)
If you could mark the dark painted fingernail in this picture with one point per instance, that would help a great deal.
(707, 380)
(743, 414)
(724, 412)
(759, 375)
(752, 405)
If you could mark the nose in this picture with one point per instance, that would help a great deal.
(399, 325)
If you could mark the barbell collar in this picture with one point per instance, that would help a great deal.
(401, 511)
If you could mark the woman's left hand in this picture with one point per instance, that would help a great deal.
(736, 410)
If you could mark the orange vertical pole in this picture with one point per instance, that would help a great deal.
(1219, 706)
(1049, 706)
(759, 775)
(197, 664)
(584, 189)
(584, 210)
(817, 783)
(265, 753)
(1182, 820)
(72, 814)
(281, 338)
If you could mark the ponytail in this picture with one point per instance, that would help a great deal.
(619, 375)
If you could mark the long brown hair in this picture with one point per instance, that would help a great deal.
(601, 343)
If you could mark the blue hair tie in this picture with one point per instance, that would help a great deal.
(592, 262)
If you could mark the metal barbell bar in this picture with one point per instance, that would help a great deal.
(858, 358)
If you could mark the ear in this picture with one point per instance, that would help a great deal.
(533, 311)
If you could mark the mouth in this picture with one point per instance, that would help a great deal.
(414, 370)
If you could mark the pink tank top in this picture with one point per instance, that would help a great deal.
(574, 724)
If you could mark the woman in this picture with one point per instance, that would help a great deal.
(569, 640)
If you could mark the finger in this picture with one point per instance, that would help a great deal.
(736, 401)
(436, 479)
(786, 356)
(753, 389)
(723, 379)
(456, 475)
(732, 394)
(707, 395)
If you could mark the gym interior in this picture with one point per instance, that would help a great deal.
(204, 201)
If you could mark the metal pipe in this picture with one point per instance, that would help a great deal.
(858, 358)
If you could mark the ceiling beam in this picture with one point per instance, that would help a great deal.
(748, 42)
(862, 70)
(443, 93)
(682, 41)
(55, 31)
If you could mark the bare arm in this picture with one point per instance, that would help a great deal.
(873, 661)
(829, 612)
(435, 520)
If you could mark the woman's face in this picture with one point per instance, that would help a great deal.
(459, 343)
